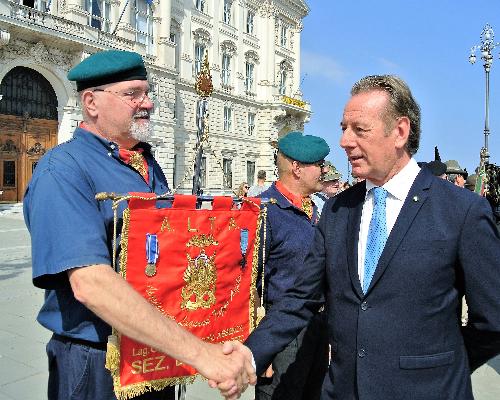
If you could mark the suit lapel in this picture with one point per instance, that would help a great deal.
(354, 220)
(414, 201)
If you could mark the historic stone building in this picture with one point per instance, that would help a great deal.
(253, 48)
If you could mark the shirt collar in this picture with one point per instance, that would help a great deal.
(294, 199)
(400, 184)
(110, 146)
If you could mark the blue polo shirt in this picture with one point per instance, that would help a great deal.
(70, 229)
(288, 238)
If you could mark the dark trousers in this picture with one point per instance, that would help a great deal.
(300, 368)
(77, 372)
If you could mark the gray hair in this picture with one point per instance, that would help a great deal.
(401, 103)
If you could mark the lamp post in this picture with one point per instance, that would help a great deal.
(486, 48)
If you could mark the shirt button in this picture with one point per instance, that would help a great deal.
(112, 147)
(361, 353)
(364, 306)
(110, 154)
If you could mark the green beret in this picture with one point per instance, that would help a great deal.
(307, 149)
(108, 66)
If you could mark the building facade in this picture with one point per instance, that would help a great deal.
(253, 48)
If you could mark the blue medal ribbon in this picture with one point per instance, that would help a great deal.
(243, 246)
(152, 248)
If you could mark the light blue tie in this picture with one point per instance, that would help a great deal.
(377, 235)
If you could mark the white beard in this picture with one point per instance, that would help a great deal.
(142, 131)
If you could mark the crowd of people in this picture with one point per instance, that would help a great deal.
(361, 285)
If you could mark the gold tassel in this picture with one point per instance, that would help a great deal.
(113, 355)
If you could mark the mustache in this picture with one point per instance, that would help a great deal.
(141, 114)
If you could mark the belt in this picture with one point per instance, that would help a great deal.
(81, 342)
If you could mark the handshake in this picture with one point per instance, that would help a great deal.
(228, 367)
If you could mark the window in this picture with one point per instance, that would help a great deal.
(227, 179)
(250, 172)
(203, 172)
(250, 19)
(199, 53)
(174, 111)
(226, 69)
(144, 24)
(40, 5)
(173, 39)
(251, 123)
(284, 32)
(282, 87)
(227, 119)
(226, 16)
(200, 5)
(249, 77)
(100, 12)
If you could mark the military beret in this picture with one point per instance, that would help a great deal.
(332, 174)
(108, 66)
(307, 149)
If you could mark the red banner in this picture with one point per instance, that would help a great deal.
(202, 276)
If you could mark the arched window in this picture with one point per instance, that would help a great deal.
(25, 91)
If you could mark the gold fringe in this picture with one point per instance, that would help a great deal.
(136, 389)
(255, 265)
(124, 243)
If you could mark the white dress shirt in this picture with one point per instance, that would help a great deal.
(397, 191)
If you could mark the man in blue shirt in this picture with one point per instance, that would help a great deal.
(72, 237)
(299, 369)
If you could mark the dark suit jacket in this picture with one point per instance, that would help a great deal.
(403, 339)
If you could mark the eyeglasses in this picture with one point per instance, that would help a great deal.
(320, 164)
(247, 187)
(133, 98)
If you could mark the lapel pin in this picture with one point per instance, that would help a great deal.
(415, 198)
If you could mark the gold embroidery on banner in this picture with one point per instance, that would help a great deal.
(150, 292)
(166, 225)
(189, 226)
(137, 162)
(193, 324)
(212, 220)
(202, 240)
(233, 224)
(200, 277)
(222, 309)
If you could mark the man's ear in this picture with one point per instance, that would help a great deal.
(89, 103)
(402, 129)
(296, 169)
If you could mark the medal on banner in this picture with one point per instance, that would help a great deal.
(152, 253)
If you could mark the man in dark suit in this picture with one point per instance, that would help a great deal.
(393, 257)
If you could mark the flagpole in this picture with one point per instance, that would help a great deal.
(120, 18)
(204, 88)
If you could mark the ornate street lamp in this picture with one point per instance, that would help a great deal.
(486, 48)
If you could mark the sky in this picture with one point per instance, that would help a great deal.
(427, 43)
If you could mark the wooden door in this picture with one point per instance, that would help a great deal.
(23, 141)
